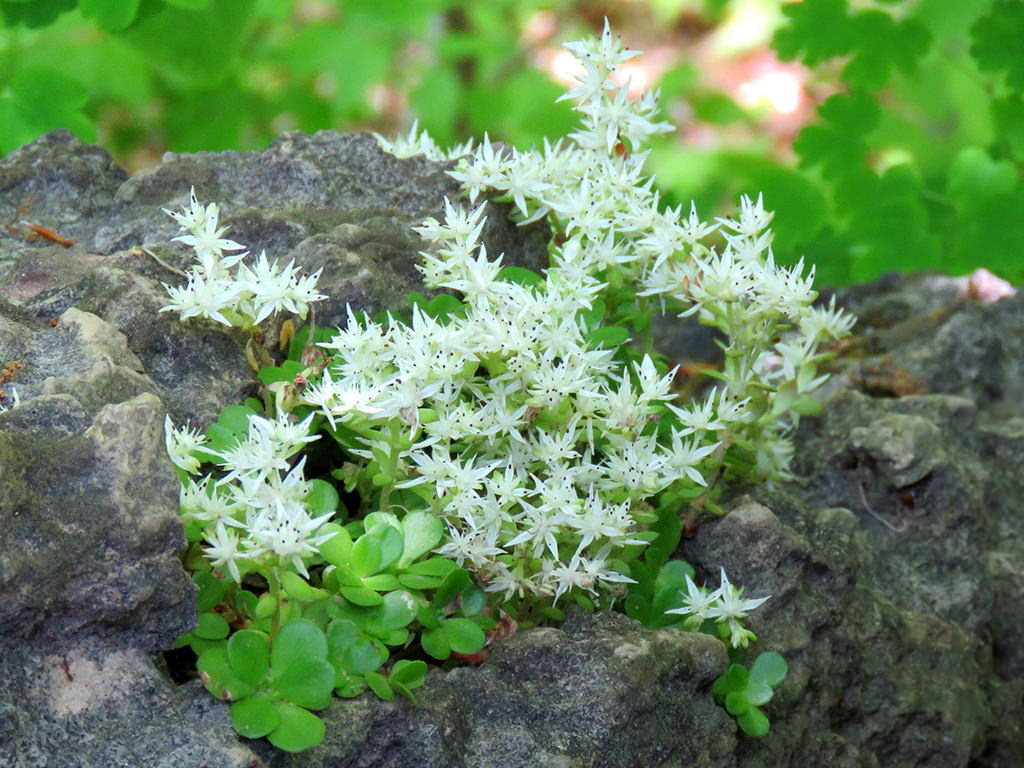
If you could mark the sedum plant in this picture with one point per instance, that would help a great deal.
(500, 453)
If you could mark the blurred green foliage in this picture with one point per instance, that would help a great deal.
(911, 159)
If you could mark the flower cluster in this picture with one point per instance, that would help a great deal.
(726, 606)
(258, 512)
(514, 415)
(245, 298)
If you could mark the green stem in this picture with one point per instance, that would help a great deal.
(275, 592)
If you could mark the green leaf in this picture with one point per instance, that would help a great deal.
(255, 716)
(361, 595)
(380, 686)
(322, 498)
(362, 658)
(189, 5)
(249, 655)
(444, 305)
(435, 643)
(298, 730)
(883, 45)
(34, 14)
(435, 566)
(337, 550)
(673, 574)
(307, 682)
(422, 531)
(996, 41)
(366, 555)
(204, 58)
(211, 590)
(42, 98)
(453, 585)
(265, 606)
(817, 29)
(297, 587)
(769, 668)
(341, 633)
(411, 674)
(235, 419)
(295, 641)
(753, 722)
(974, 176)
(1008, 113)
(218, 677)
(211, 626)
(736, 703)
(111, 15)
(608, 337)
(464, 635)
(435, 100)
(287, 371)
(395, 612)
(520, 276)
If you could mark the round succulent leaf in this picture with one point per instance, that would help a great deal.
(435, 566)
(435, 643)
(362, 658)
(337, 550)
(306, 682)
(409, 673)
(211, 626)
(295, 641)
(638, 606)
(769, 668)
(757, 693)
(395, 637)
(245, 603)
(361, 595)
(397, 611)
(421, 533)
(452, 586)
(249, 655)
(297, 587)
(349, 686)
(366, 555)
(380, 686)
(673, 574)
(265, 606)
(235, 418)
(473, 600)
(341, 633)
(299, 729)
(754, 723)
(211, 590)
(382, 582)
(216, 674)
(322, 498)
(667, 598)
(417, 581)
(391, 544)
(736, 703)
(255, 716)
(427, 616)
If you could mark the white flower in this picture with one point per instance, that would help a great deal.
(223, 549)
(730, 603)
(698, 602)
(181, 443)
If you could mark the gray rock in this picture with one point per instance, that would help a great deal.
(895, 563)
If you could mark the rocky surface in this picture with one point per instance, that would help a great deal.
(895, 562)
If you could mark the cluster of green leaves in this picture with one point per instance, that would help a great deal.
(263, 66)
(741, 691)
(279, 644)
(916, 161)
